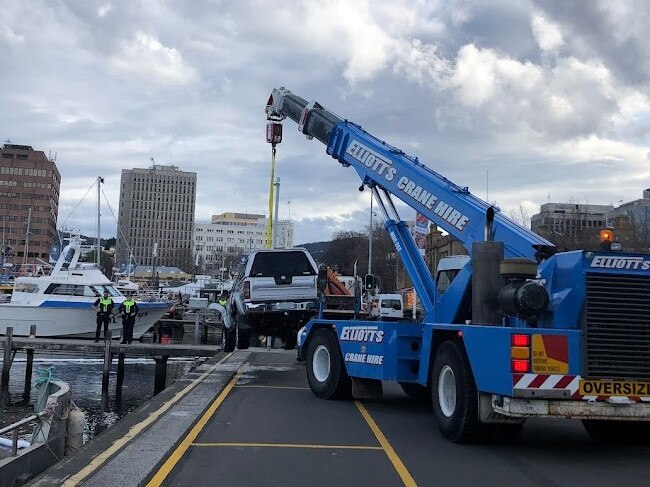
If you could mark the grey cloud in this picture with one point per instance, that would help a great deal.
(71, 98)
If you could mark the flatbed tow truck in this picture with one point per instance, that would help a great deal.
(523, 330)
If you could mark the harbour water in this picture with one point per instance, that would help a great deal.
(84, 374)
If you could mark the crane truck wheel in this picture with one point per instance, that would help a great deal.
(326, 372)
(454, 396)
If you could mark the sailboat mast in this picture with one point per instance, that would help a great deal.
(99, 191)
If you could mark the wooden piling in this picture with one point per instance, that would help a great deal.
(6, 367)
(160, 375)
(108, 358)
(120, 373)
(29, 365)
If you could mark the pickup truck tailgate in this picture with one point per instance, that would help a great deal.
(272, 289)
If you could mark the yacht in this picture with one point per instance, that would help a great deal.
(60, 303)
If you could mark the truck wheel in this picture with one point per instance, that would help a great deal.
(416, 392)
(228, 338)
(243, 338)
(326, 372)
(617, 432)
(454, 396)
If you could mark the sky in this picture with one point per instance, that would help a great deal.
(524, 102)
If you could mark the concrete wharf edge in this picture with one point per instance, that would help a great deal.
(141, 457)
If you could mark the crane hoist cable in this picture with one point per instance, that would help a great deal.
(269, 225)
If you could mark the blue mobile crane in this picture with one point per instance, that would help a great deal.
(523, 330)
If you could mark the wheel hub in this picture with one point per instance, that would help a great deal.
(321, 363)
(447, 391)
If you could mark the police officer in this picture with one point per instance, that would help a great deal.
(104, 306)
(222, 300)
(129, 310)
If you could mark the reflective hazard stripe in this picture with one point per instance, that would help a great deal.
(569, 383)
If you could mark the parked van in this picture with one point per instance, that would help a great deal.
(387, 307)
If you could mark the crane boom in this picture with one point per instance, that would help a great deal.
(453, 208)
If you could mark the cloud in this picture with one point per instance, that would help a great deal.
(547, 34)
(146, 58)
(8, 35)
(104, 10)
(547, 96)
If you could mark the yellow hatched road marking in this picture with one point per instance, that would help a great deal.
(253, 386)
(390, 452)
(178, 453)
(136, 429)
(290, 445)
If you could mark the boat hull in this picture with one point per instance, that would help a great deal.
(74, 320)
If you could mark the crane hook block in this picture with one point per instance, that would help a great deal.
(273, 132)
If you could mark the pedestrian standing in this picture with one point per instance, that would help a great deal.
(104, 306)
(129, 309)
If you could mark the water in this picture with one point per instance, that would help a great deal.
(84, 374)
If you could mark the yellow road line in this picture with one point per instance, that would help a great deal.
(390, 452)
(253, 386)
(178, 453)
(136, 429)
(290, 445)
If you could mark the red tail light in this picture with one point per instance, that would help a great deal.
(520, 366)
(520, 340)
(247, 290)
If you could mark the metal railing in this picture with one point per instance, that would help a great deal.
(13, 428)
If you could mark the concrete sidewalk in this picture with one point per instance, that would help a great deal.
(128, 453)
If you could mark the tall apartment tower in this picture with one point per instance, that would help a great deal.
(156, 216)
(29, 202)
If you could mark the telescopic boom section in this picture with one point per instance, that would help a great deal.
(451, 207)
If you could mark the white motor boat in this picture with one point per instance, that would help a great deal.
(61, 304)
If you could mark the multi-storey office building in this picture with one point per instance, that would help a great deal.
(29, 202)
(569, 220)
(156, 216)
(637, 214)
(233, 234)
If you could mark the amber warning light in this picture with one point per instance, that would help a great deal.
(606, 236)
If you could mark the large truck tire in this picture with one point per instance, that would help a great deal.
(454, 396)
(326, 372)
(228, 339)
(416, 392)
(618, 432)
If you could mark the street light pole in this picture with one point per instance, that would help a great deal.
(370, 238)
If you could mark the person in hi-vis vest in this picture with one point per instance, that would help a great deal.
(104, 307)
(129, 310)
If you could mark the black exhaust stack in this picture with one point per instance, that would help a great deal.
(486, 278)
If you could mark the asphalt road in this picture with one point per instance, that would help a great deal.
(267, 429)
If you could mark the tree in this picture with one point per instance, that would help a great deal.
(350, 246)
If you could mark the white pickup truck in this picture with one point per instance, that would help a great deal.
(274, 294)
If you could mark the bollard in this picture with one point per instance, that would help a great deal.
(29, 365)
(74, 438)
(108, 358)
(6, 367)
